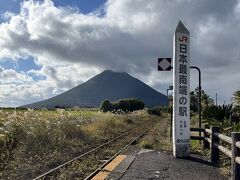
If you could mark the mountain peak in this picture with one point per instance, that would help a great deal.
(107, 71)
(109, 85)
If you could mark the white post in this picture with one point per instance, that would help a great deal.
(181, 92)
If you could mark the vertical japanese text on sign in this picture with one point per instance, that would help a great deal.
(181, 104)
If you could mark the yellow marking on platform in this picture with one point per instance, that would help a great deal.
(101, 176)
(110, 167)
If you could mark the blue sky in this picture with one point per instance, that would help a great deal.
(9, 5)
(47, 47)
(84, 6)
(26, 64)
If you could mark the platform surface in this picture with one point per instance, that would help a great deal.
(144, 164)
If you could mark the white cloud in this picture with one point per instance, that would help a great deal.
(128, 36)
(20, 88)
(11, 76)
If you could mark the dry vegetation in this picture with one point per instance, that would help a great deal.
(158, 137)
(33, 141)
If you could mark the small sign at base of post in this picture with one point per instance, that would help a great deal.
(181, 92)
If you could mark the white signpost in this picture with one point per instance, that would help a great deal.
(181, 90)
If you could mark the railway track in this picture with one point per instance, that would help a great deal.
(90, 163)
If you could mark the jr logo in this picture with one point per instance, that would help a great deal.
(183, 39)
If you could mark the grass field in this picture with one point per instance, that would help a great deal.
(33, 141)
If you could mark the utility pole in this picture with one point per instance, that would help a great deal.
(199, 97)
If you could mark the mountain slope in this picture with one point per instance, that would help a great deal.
(106, 85)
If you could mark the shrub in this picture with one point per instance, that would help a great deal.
(154, 111)
(218, 112)
(106, 106)
(146, 144)
(157, 110)
(124, 105)
(235, 114)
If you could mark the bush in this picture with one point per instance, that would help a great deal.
(106, 106)
(159, 109)
(218, 113)
(155, 111)
(235, 116)
(124, 105)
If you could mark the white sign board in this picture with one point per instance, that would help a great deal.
(181, 92)
(164, 64)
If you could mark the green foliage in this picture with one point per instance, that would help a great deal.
(205, 99)
(193, 102)
(235, 116)
(218, 112)
(226, 117)
(106, 106)
(158, 110)
(236, 97)
(125, 105)
(154, 111)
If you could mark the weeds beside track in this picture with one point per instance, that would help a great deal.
(34, 141)
(88, 164)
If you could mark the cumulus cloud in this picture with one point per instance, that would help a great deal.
(67, 76)
(128, 35)
(11, 76)
(21, 88)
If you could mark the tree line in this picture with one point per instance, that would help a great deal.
(125, 105)
(226, 116)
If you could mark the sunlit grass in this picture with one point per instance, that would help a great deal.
(33, 141)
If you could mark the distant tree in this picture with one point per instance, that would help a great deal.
(123, 104)
(236, 97)
(206, 100)
(106, 106)
(135, 104)
(193, 101)
(158, 110)
(155, 111)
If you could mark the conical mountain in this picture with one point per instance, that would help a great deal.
(106, 85)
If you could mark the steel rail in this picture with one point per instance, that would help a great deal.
(82, 155)
(108, 161)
